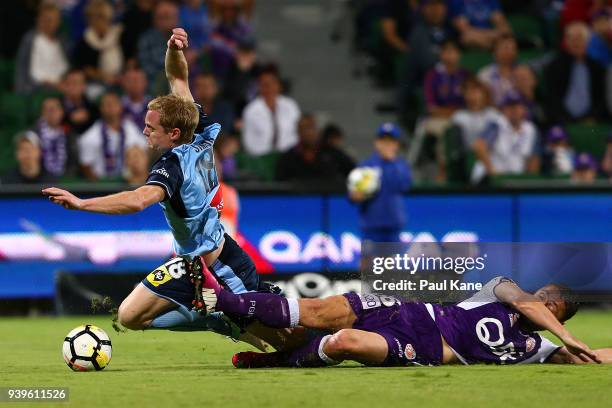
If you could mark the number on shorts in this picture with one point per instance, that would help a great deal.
(176, 267)
(372, 301)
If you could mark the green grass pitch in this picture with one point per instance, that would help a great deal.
(158, 368)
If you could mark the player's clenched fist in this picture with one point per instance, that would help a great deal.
(178, 40)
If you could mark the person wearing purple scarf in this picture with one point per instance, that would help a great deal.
(231, 29)
(135, 99)
(53, 139)
(102, 148)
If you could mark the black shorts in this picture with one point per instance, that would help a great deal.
(234, 270)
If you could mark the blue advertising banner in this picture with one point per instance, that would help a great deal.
(283, 234)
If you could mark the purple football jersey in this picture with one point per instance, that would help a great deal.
(481, 329)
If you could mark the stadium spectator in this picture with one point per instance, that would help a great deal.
(478, 22)
(229, 31)
(397, 20)
(508, 145)
(585, 169)
(194, 18)
(558, 156)
(600, 42)
(332, 141)
(443, 96)
(206, 93)
(426, 38)
(525, 83)
(443, 84)
(136, 20)
(54, 143)
(307, 160)
(575, 83)
(240, 83)
(580, 10)
(102, 147)
(79, 112)
(382, 217)
(152, 43)
(29, 167)
(135, 98)
(99, 53)
(477, 114)
(42, 55)
(226, 147)
(136, 168)
(499, 76)
(606, 163)
(269, 121)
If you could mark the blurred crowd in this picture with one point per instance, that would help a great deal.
(540, 104)
(95, 64)
(491, 88)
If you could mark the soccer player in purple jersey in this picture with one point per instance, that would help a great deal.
(496, 325)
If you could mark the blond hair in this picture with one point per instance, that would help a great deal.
(176, 112)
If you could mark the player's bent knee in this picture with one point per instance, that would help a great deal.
(129, 318)
(344, 342)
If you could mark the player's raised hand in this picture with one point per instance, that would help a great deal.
(64, 198)
(581, 350)
(179, 39)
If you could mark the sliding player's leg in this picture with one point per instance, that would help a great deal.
(351, 344)
(346, 344)
(332, 313)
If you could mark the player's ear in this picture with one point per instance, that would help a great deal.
(175, 135)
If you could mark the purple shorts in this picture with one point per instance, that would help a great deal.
(410, 332)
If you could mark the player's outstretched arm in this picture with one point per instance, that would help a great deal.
(562, 356)
(176, 65)
(126, 202)
(536, 311)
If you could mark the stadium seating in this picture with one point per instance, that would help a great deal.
(261, 167)
(527, 29)
(589, 137)
(7, 75)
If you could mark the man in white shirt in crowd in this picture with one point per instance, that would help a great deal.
(102, 147)
(508, 145)
(270, 120)
(42, 56)
(477, 114)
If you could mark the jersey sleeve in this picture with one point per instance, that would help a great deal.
(545, 350)
(167, 173)
(206, 131)
(486, 294)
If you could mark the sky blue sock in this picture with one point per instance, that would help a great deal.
(181, 319)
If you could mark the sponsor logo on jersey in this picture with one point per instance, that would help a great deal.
(217, 201)
(163, 172)
(410, 352)
(530, 344)
(513, 318)
(159, 276)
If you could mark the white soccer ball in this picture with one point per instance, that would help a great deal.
(364, 180)
(87, 348)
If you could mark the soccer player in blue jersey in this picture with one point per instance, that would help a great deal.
(496, 325)
(185, 183)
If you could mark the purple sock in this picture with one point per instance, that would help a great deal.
(310, 355)
(271, 310)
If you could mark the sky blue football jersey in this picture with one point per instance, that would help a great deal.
(193, 201)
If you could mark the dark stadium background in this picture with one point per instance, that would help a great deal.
(335, 61)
